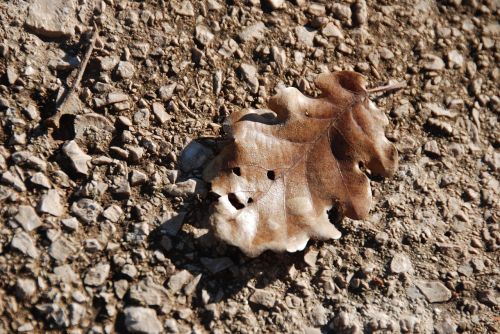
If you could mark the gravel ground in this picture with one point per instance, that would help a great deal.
(103, 211)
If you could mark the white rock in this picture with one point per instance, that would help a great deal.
(125, 70)
(186, 9)
(79, 160)
(400, 263)
(113, 213)
(455, 59)
(434, 291)
(203, 35)
(61, 249)
(27, 218)
(159, 111)
(23, 243)
(40, 180)
(51, 203)
(274, 4)
(305, 36)
(178, 280)
(194, 156)
(142, 320)
(86, 210)
(52, 18)
(97, 275)
(253, 32)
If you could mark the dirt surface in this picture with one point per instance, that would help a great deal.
(104, 221)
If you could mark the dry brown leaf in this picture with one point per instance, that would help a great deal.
(286, 167)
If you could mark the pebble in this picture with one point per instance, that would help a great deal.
(263, 298)
(25, 244)
(113, 213)
(203, 35)
(341, 12)
(273, 4)
(455, 59)
(305, 36)
(360, 12)
(179, 280)
(149, 293)
(400, 263)
(142, 320)
(331, 30)
(52, 18)
(11, 74)
(86, 210)
(249, 74)
(159, 111)
(434, 291)
(25, 288)
(432, 148)
(39, 179)
(70, 223)
(137, 178)
(166, 92)
(253, 32)
(13, 180)
(51, 203)
(97, 275)
(79, 159)
(194, 156)
(27, 218)
(433, 63)
(31, 111)
(185, 8)
(62, 249)
(125, 70)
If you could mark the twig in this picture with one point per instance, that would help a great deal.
(54, 120)
(386, 88)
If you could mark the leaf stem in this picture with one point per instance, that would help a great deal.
(386, 88)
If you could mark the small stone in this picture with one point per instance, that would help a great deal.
(79, 160)
(125, 70)
(488, 297)
(310, 257)
(113, 213)
(129, 270)
(51, 203)
(62, 249)
(25, 288)
(122, 188)
(316, 9)
(13, 180)
(186, 188)
(253, 32)
(400, 263)
(97, 275)
(434, 291)
(341, 12)
(27, 218)
(159, 111)
(166, 92)
(305, 36)
(279, 56)
(108, 63)
(23, 243)
(445, 327)
(331, 30)
(178, 280)
(249, 74)
(432, 148)
(52, 18)
(171, 223)
(319, 315)
(31, 112)
(203, 35)
(64, 274)
(11, 74)
(263, 298)
(86, 210)
(39, 179)
(137, 178)
(386, 54)
(70, 223)
(360, 13)
(215, 265)
(433, 63)
(455, 59)
(194, 156)
(274, 4)
(142, 320)
(149, 293)
(121, 288)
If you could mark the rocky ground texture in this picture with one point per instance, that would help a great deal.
(103, 216)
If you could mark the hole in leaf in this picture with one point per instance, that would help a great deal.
(250, 200)
(271, 175)
(235, 201)
(237, 171)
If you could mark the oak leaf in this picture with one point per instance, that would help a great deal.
(287, 166)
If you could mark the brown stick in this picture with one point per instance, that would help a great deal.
(386, 88)
(54, 120)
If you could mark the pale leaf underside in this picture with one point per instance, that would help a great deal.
(287, 166)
